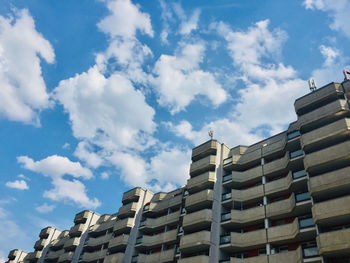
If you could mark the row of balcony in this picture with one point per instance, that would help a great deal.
(322, 112)
(295, 256)
(273, 210)
(324, 158)
(159, 222)
(114, 258)
(273, 167)
(198, 200)
(326, 133)
(161, 257)
(203, 165)
(163, 204)
(127, 210)
(298, 230)
(200, 182)
(94, 256)
(156, 240)
(332, 90)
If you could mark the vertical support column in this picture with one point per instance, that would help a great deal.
(214, 250)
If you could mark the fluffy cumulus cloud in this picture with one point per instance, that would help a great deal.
(270, 86)
(64, 176)
(337, 11)
(23, 91)
(18, 184)
(188, 23)
(155, 174)
(45, 208)
(105, 109)
(332, 67)
(179, 79)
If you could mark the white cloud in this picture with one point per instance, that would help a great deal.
(337, 11)
(155, 174)
(18, 184)
(120, 116)
(66, 146)
(332, 67)
(225, 130)
(45, 208)
(23, 177)
(23, 91)
(105, 175)
(270, 86)
(188, 24)
(85, 152)
(179, 79)
(66, 190)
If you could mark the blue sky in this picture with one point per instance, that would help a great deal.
(97, 97)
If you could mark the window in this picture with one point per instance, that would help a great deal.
(228, 160)
(299, 174)
(296, 154)
(225, 239)
(306, 222)
(293, 134)
(225, 217)
(309, 252)
(302, 197)
(227, 177)
(226, 196)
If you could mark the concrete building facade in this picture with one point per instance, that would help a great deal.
(283, 199)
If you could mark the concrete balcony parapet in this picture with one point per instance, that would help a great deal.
(334, 242)
(338, 208)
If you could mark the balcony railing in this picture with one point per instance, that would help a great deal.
(226, 178)
(225, 217)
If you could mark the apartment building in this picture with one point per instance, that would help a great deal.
(283, 199)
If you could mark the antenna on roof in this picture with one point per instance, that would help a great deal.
(211, 134)
(312, 84)
(346, 76)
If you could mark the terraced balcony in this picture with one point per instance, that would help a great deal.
(258, 259)
(33, 256)
(114, 258)
(209, 147)
(326, 133)
(66, 257)
(54, 255)
(331, 90)
(236, 217)
(95, 242)
(329, 182)
(45, 232)
(163, 204)
(334, 242)
(39, 245)
(285, 206)
(247, 175)
(276, 165)
(161, 257)
(283, 232)
(159, 222)
(195, 242)
(118, 243)
(199, 200)
(203, 165)
(274, 145)
(195, 259)
(123, 225)
(322, 112)
(202, 181)
(76, 230)
(156, 240)
(294, 256)
(325, 157)
(127, 210)
(247, 194)
(247, 240)
(197, 220)
(72, 243)
(279, 185)
(338, 208)
(131, 195)
(81, 217)
(94, 256)
(97, 229)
